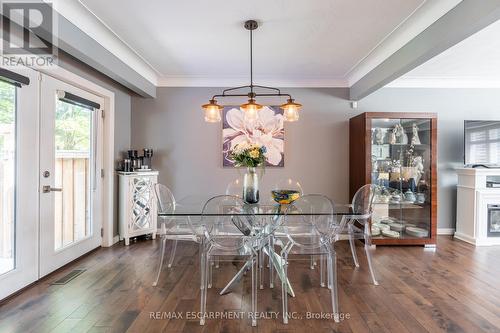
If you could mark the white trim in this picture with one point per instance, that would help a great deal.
(109, 141)
(443, 82)
(425, 15)
(445, 231)
(291, 82)
(78, 14)
(477, 242)
(464, 237)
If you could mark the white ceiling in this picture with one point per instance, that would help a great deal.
(316, 40)
(474, 62)
(298, 43)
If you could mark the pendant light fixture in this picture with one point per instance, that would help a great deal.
(251, 108)
(212, 111)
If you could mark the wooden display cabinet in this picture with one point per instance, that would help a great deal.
(397, 151)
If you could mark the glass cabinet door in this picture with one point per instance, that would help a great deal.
(401, 166)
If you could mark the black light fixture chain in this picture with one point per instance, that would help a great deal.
(251, 61)
(251, 25)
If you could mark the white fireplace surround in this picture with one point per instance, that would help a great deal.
(473, 198)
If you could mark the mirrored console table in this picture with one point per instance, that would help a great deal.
(137, 204)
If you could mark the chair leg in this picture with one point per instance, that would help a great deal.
(261, 269)
(271, 266)
(313, 262)
(321, 271)
(210, 273)
(284, 293)
(254, 292)
(332, 269)
(160, 266)
(369, 259)
(172, 255)
(353, 246)
(203, 287)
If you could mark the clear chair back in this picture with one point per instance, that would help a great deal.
(288, 184)
(227, 222)
(165, 199)
(309, 221)
(362, 202)
(235, 188)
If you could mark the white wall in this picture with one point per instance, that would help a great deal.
(188, 150)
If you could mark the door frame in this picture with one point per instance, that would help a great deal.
(52, 258)
(108, 194)
(26, 228)
(29, 234)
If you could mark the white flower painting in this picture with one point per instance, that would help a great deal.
(266, 131)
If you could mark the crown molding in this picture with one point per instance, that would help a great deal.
(444, 82)
(290, 82)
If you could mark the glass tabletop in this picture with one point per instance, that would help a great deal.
(193, 206)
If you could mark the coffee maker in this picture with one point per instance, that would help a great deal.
(134, 162)
(147, 158)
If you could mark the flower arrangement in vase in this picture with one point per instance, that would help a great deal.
(251, 156)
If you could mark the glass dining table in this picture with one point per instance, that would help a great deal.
(265, 213)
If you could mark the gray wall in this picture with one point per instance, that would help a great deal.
(122, 110)
(187, 150)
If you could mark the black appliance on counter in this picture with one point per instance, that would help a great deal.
(134, 162)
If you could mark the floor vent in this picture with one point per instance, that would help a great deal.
(68, 277)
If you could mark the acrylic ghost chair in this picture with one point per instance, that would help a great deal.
(358, 226)
(287, 184)
(235, 188)
(172, 228)
(308, 228)
(229, 229)
(294, 185)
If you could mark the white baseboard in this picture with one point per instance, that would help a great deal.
(445, 231)
(115, 239)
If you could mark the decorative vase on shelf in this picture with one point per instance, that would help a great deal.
(251, 186)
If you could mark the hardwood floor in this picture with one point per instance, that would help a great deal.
(454, 289)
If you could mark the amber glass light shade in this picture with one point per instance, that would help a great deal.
(251, 109)
(212, 111)
(291, 110)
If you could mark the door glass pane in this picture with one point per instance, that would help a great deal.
(73, 165)
(7, 175)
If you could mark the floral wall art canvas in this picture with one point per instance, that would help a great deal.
(267, 131)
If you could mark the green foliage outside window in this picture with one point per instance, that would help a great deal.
(73, 125)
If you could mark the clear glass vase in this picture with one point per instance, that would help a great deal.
(251, 186)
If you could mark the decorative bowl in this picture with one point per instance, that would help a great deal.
(285, 197)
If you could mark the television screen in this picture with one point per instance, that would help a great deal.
(482, 143)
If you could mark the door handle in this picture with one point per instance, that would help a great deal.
(48, 189)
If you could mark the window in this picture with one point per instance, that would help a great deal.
(7, 176)
(73, 145)
(484, 144)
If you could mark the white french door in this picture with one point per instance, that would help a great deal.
(18, 183)
(71, 128)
